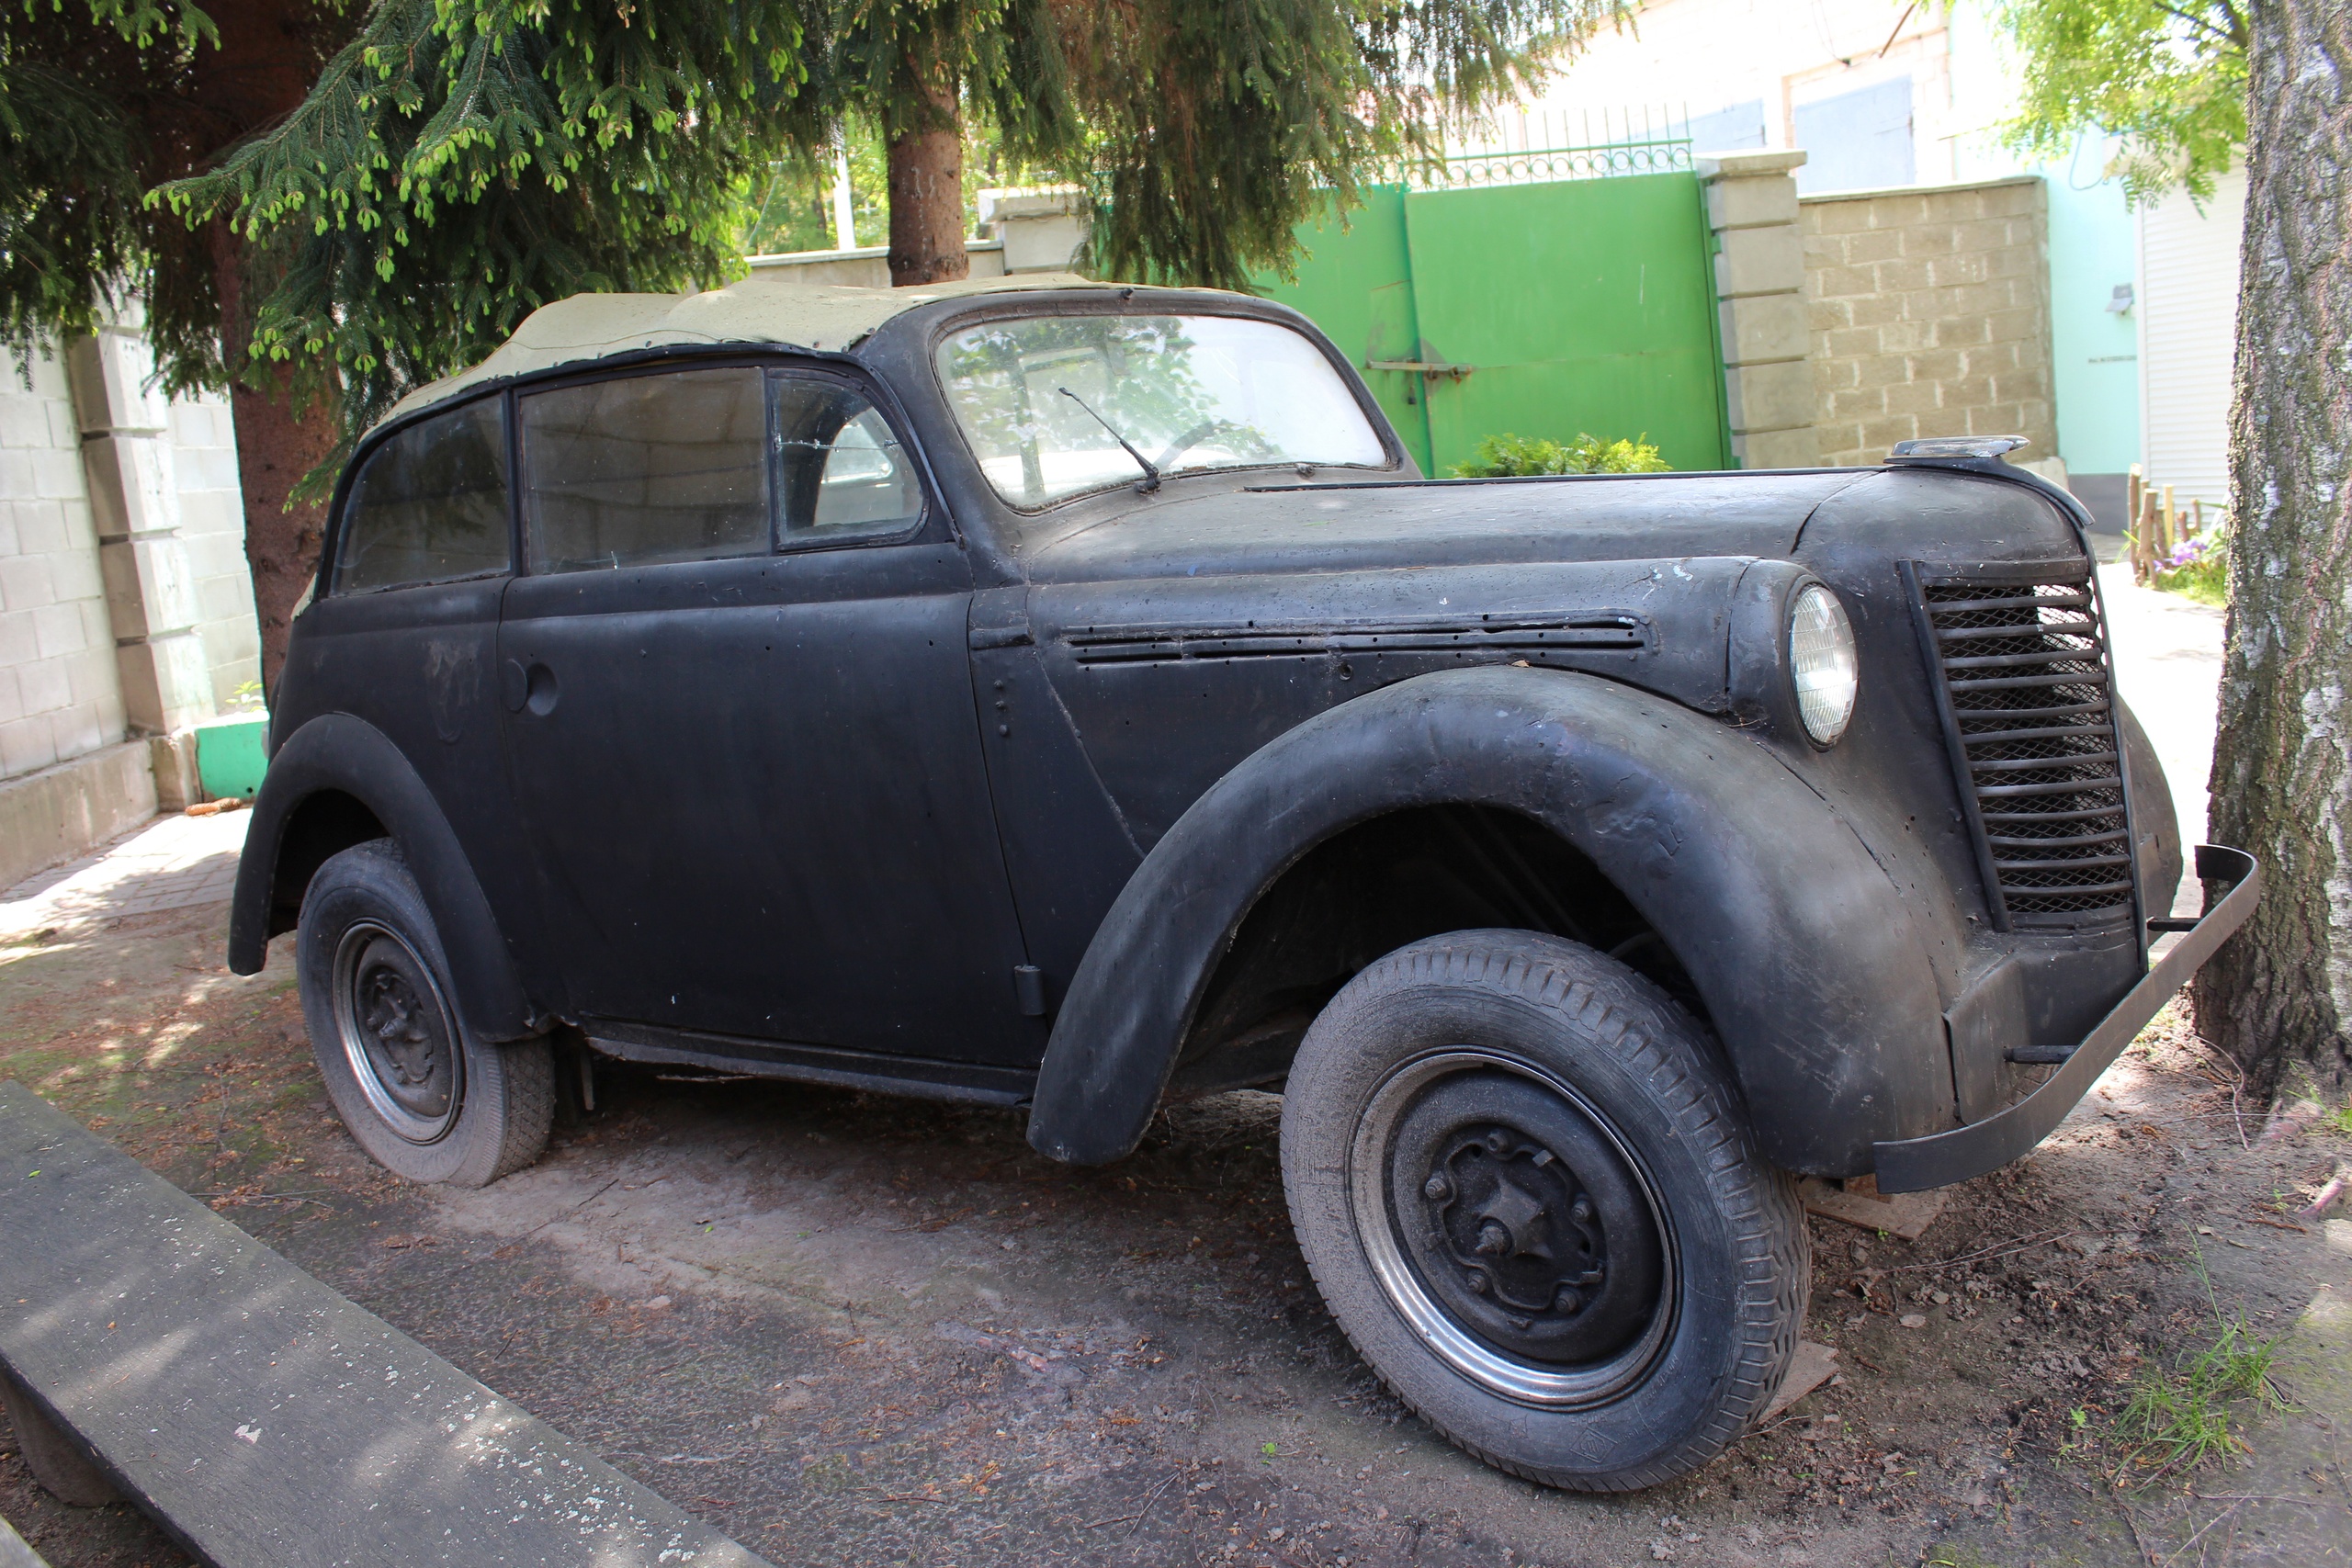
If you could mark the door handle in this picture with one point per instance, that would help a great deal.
(531, 686)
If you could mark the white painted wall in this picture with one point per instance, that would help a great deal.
(2188, 311)
(59, 696)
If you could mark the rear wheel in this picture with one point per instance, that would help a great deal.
(421, 1096)
(1526, 1191)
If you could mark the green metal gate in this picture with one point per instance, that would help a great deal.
(1543, 309)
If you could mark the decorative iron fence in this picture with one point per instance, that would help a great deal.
(1537, 166)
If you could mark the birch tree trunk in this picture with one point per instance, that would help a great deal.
(2279, 994)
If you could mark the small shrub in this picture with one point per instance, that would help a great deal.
(1510, 457)
(2198, 569)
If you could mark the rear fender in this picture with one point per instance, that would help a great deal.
(336, 753)
(1799, 943)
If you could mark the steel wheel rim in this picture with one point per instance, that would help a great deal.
(391, 1018)
(1369, 1179)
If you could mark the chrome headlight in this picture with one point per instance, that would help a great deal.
(1821, 659)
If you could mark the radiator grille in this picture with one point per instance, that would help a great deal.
(2025, 673)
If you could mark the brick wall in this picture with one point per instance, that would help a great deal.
(1931, 315)
(59, 696)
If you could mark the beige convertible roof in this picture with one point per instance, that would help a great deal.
(757, 311)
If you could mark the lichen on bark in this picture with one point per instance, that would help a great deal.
(2281, 992)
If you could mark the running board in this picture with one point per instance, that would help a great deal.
(969, 1083)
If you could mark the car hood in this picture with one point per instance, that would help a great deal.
(1318, 528)
(1227, 617)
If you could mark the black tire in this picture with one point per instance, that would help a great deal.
(1599, 1282)
(421, 1096)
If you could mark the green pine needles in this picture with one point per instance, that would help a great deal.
(432, 171)
(456, 165)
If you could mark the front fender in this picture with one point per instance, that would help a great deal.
(1798, 941)
(338, 753)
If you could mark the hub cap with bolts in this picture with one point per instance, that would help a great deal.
(1516, 1232)
(397, 1034)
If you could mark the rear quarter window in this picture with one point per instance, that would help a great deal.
(429, 503)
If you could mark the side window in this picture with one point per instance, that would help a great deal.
(843, 474)
(429, 504)
(644, 469)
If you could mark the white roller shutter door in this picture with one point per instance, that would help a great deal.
(2187, 308)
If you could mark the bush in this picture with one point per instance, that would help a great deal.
(2198, 569)
(1508, 456)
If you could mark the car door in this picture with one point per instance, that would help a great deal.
(741, 722)
(403, 630)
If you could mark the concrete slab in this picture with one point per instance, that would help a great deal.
(266, 1419)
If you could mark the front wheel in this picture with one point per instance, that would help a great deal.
(421, 1095)
(1527, 1192)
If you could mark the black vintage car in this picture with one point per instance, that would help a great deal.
(1069, 697)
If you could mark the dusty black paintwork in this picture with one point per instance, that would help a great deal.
(1195, 757)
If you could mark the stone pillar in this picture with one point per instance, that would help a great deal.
(1768, 398)
(135, 507)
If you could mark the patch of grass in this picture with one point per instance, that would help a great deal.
(2339, 1119)
(2196, 1412)
(1955, 1557)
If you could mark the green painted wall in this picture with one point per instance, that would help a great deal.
(1586, 305)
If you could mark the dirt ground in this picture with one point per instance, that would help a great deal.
(854, 1330)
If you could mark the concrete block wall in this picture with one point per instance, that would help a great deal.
(59, 697)
(212, 532)
(1930, 315)
(1029, 231)
(868, 266)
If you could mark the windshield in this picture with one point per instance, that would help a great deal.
(1188, 392)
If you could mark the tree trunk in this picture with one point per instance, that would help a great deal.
(269, 54)
(276, 446)
(2281, 992)
(927, 197)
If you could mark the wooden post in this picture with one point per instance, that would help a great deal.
(2170, 536)
(2197, 518)
(2134, 528)
(2143, 537)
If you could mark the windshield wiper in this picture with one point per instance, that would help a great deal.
(1150, 480)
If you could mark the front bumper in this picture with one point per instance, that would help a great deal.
(1913, 1165)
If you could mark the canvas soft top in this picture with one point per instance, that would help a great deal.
(826, 317)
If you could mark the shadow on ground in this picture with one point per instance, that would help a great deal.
(854, 1330)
